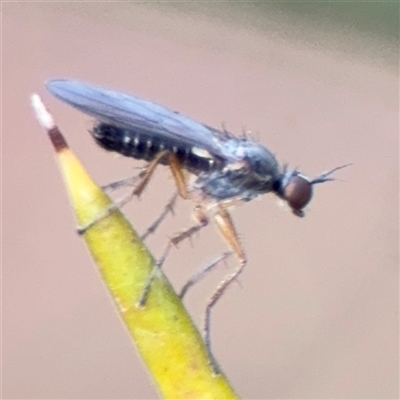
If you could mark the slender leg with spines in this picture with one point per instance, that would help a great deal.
(187, 234)
(144, 177)
(181, 184)
(169, 208)
(228, 231)
(196, 278)
(123, 182)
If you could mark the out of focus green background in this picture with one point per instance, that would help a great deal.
(377, 18)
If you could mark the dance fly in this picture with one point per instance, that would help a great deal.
(227, 169)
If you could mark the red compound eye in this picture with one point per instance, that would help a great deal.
(298, 193)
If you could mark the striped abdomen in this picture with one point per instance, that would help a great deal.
(142, 146)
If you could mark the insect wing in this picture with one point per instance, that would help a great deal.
(130, 112)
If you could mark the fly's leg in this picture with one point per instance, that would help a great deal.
(183, 192)
(193, 280)
(181, 184)
(118, 204)
(123, 182)
(227, 229)
(147, 173)
(178, 175)
(144, 178)
(202, 219)
(169, 208)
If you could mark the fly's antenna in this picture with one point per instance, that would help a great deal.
(326, 176)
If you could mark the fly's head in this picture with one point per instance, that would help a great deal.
(297, 189)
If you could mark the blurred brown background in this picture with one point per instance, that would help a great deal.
(316, 311)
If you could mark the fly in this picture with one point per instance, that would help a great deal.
(227, 169)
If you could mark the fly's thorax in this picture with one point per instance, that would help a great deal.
(253, 170)
(256, 158)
